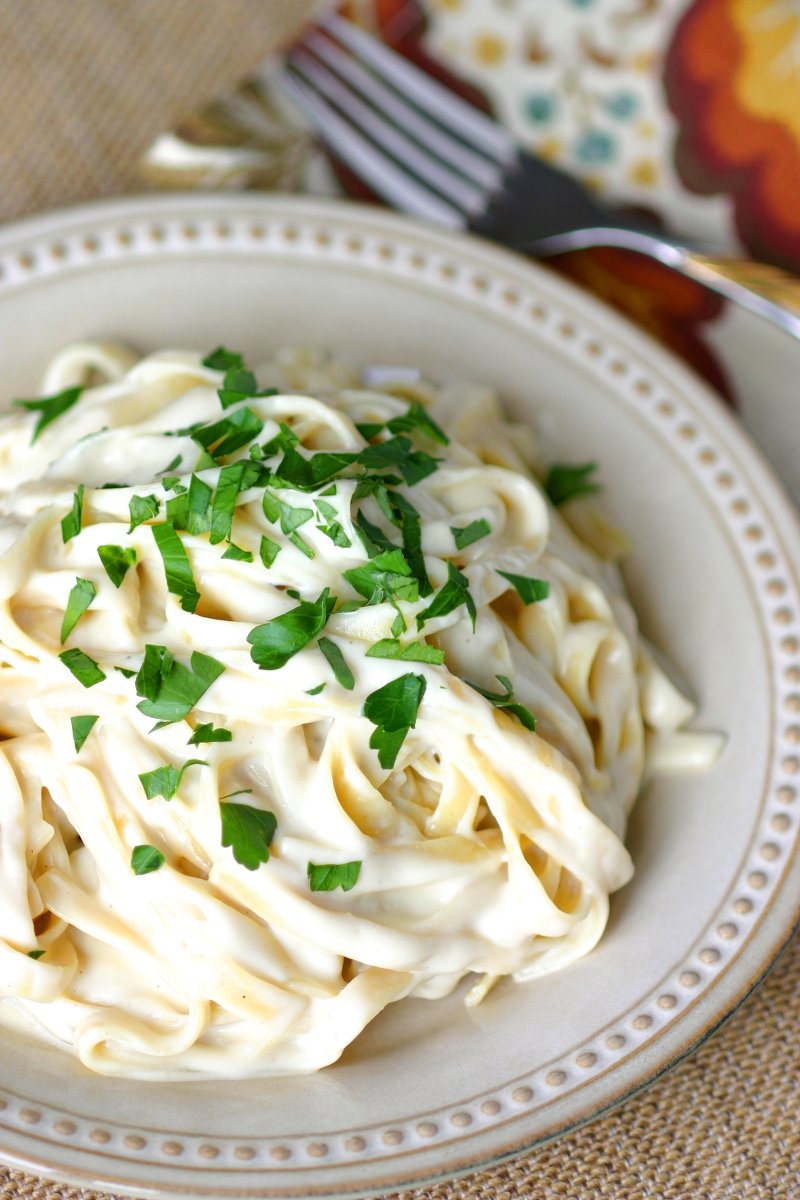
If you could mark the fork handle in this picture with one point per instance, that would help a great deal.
(758, 287)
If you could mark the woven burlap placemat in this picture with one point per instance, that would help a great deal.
(85, 86)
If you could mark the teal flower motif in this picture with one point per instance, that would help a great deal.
(595, 146)
(622, 105)
(539, 107)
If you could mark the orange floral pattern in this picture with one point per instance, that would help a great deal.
(732, 79)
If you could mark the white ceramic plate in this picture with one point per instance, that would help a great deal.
(431, 1088)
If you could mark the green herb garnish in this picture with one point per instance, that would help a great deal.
(81, 728)
(315, 691)
(142, 508)
(527, 588)
(36, 953)
(222, 359)
(85, 669)
(411, 652)
(169, 688)
(72, 522)
(506, 700)
(230, 433)
(342, 672)
(248, 831)
(225, 497)
(80, 597)
(278, 640)
(145, 859)
(237, 553)
(326, 877)
(209, 733)
(385, 577)
(177, 568)
(165, 781)
(454, 593)
(50, 407)
(465, 535)
(564, 481)
(117, 561)
(268, 551)
(420, 419)
(393, 710)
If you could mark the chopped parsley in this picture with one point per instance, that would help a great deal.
(222, 437)
(393, 710)
(81, 728)
(237, 553)
(418, 418)
(506, 700)
(80, 597)
(177, 568)
(387, 576)
(84, 668)
(171, 466)
(225, 497)
(222, 359)
(141, 509)
(145, 859)
(341, 671)
(454, 593)
(411, 652)
(333, 529)
(72, 522)
(248, 831)
(268, 551)
(374, 539)
(315, 691)
(564, 481)
(36, 953)
(326, 877)
(117, 561)
(209, 733)
(278, 640)
(191, 510)
(165, 781)
(527, 588)
(169, 688)
(50, 407)
(465, 535)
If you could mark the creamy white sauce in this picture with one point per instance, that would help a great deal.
(487, 848)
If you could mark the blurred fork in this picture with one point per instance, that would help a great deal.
(426, 151)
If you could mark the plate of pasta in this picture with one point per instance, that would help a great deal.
(398, 661)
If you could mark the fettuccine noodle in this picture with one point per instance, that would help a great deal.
(454, 838)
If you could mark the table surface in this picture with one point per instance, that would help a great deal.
(84, 90)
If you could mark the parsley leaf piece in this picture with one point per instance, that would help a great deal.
(176, 462)
(454, 593)
(370, 429)
(237, 553)
(36, 953)
(393, 709)
(209, 732)
(315, 691)
(419, 418)
(290, 518)
(191, 510)
(564, 481)
(50, 407)
(80, 597)
(142, 508)
(225, 497)
(333, 529)
(171, 689)
(230, 433)
(85, 669)
(385, 577)
(117, 561)
(374, 539)
(411, 531)
(414, 465)
(177, 568)
(506, 700)
(124, 671)
(412, 652)
(278, 640)
(145, 859)
(248, 831)
(344, 676)
(222, 359)
(72, 522)
(309, 473)
(296, 540)
(527, 588)
(165, 781)
(465, 535)
(240, 384)
(172, 483)
(268, 551)
(284, 440)
(81, 728)
(398, 625)
(326, 877)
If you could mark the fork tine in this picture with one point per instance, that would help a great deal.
(450, 110)
(459, 191)
(395, 185)
(432, 136)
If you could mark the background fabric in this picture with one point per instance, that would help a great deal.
(87, 85)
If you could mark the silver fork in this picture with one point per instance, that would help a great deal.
(427, 152)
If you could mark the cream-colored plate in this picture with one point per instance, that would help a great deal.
(431, 1088)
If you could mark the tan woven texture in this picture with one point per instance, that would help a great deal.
(85, 86)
